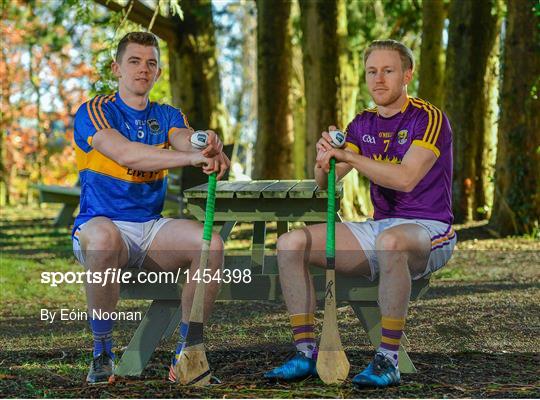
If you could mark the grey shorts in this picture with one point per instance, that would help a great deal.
(137, 236)
(443, 241)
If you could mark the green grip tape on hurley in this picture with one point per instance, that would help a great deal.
(331, 215)
(210, 207)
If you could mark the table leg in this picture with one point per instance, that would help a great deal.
(65, 216)
(282, 227)
(155, 323)
(257, 247)
(226, 230)
(370, 317)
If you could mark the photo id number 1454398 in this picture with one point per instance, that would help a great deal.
(221, 276)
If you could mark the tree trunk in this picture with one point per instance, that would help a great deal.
(349, 69)
(5, 123)
(40, 146)
(4, 174)
(194, 69)
(485, 156)
(297, 96)
(274, 132)
(517, 181)
(320, 46)
(356, 200)
(246, 98)
(471, 37)
(431, 77)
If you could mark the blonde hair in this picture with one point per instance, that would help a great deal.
(405, 54)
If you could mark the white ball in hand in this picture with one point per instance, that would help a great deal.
(199, 140)
(338, 138)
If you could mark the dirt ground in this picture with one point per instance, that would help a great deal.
(474, 334)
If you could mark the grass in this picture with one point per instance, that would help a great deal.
(475, 333)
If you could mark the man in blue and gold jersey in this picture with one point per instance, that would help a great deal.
(404, 147)
(124, 145)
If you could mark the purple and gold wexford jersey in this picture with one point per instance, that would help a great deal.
(388, 139)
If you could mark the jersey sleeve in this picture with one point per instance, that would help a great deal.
(92, 117)
(432, 130)
(177, 119)
(353, 133)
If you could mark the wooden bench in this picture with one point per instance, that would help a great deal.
(257, 203)
(69, 196)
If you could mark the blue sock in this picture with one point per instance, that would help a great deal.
(182, 340)
(102, 331)
(183, 331)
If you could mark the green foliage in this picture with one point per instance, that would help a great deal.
(108, 28)
(45, 71)
(176, 9)
(56, 55)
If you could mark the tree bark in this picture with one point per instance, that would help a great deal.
(33, 78)
(297, 97)
(194, 72)
(274, 139)
(431, 73)
(471, 39)
(485, 156)
(320, 46)
(356, 201)
(5, 123)
(349, 69)
(517, 181)
(245, 101)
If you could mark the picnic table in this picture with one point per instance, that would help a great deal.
(258, 203)
(68, 196)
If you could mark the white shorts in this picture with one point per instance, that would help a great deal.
(443, 241)
(137, 236)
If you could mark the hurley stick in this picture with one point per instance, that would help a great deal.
(192, 366)
(332, 364)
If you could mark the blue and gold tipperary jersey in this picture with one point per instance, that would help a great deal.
(107, 188)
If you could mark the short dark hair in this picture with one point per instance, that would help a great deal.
(142, 38)
(406, 55)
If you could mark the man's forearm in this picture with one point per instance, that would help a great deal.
(180, 139)
(138, 156)
(321, 177)
(392, 176)
(143, 157)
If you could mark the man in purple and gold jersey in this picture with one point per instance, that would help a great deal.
(124, 145)
(404, 147)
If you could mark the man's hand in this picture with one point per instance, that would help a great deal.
(223, 163)
(323, 158)
(325, 142)
(323, 146)
(219, 163)
(214, 147)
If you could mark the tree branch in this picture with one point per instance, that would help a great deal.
(166, 28)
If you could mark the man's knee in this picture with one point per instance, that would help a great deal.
(390, 251)
(292, 241)
(101, 236)
(389, 241)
